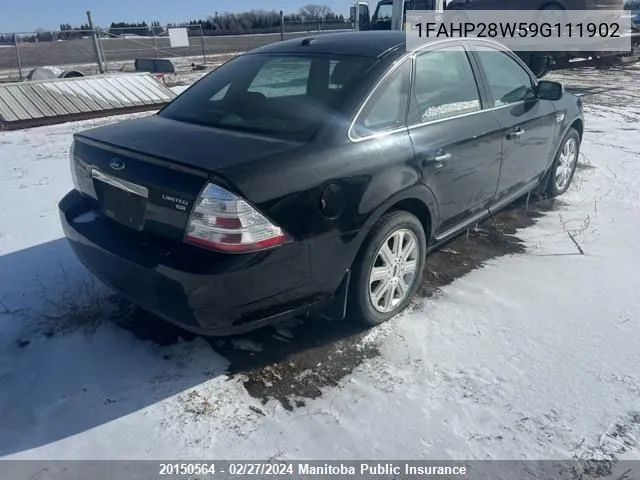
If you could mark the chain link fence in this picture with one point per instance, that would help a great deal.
(128, 43)
(119, 46)
(22, 52)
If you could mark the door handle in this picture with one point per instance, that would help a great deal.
(437, 161)
(442, 157)
(517, 133)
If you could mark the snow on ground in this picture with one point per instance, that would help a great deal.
(533, 356)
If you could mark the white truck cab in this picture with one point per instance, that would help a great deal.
(390, 14)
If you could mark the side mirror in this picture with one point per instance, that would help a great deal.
(548, 90)
(352, 14)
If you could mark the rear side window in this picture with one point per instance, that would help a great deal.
(287, 96)
(387, 107)
(507, 80)
(444, 85)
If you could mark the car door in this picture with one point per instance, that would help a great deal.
(528, 124)
(456, 140)
(381, 159)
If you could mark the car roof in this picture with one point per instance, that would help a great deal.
(372, 44)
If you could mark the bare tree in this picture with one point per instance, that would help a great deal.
(315, 12)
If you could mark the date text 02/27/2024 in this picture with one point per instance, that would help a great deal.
(208, 470)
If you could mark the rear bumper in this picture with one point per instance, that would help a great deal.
(205, 292)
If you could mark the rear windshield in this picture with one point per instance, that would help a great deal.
(285, 96)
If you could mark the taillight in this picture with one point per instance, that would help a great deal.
(223, 221)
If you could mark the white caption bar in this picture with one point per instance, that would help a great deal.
(525, 30)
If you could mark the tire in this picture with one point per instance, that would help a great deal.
(565, 161)
(388, 230)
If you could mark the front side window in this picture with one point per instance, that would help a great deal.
(445, 85)
(286, 96)
(508, 81)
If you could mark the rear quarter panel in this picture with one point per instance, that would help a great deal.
(366, 179)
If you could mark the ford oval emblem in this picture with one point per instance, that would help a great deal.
(116, 164)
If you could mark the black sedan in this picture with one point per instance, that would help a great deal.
(313, 175)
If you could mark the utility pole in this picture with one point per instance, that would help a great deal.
(96, 45)
(18, 59)
(204, 51)
(155, 40)
(281, 25)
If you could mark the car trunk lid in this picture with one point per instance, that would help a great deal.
(146, 174)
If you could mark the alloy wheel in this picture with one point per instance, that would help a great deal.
(566, 163)
(394, 270)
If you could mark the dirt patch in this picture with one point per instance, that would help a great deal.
(319, 355)
(492, 238)
(196, 404)
(287, 362)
